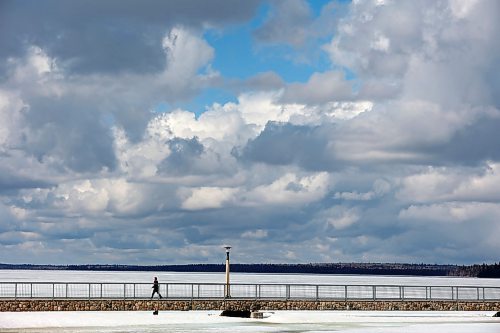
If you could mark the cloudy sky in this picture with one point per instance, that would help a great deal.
(153, 132)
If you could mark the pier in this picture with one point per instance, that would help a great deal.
(57, 296)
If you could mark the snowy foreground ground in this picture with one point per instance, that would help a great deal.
(277, 321)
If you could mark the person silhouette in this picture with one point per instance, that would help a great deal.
(156, 288)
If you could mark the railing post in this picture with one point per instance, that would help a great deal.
(192, 291)
(287, 291)
(134, 290)
(124, 290)
(256, 291)
(31, 290)
(345, 293)
(483, 295)
(100, 292)
(430, 293)
(402, 293)
(66, 291)
(15, 291)
(89, 291)
(53, 292)
(317, 293)
(167, 291)
(452, 294)
(374, 292)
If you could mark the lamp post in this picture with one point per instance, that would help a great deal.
(228, 293)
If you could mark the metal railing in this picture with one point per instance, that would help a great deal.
(199, 291)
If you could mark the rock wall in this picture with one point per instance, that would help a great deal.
(185, 305)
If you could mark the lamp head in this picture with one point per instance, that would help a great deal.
(227, 247)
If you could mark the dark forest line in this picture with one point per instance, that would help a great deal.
(482, 271)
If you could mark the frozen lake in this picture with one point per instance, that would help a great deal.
(278, 321)
(180, 277)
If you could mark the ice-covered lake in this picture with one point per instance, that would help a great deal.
(180, 277)
(277, 321)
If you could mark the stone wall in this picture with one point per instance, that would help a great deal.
(181, 305)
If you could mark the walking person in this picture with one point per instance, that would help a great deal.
(156, 288)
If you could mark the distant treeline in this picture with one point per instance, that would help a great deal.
(484, 270)
(481, 271)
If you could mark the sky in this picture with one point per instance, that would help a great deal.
(155, 132)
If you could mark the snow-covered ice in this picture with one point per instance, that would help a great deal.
(278, 321)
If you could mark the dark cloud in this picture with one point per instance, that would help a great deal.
(285, 144)
(108, 36)
(128, 239)
(431, 237)
(71, 133)
(259, 82)
(287, 23)
(228, 225)
(471, 145)
(7, 220)
(11, 182)
(68, 230)
(182, 158)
